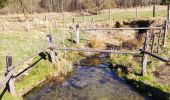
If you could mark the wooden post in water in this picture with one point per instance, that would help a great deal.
(10, 84)
(77, 34)
(51, 44)
(165, 33)
(145, 56)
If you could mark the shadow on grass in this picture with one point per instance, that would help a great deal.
(42, 56)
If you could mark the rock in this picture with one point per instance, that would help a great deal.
(79, 84)
(48, 90)
(64, 84)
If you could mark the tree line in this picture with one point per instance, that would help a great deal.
(32, 6)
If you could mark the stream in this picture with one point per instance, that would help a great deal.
(88, 83)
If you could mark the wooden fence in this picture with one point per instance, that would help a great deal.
(8, 80)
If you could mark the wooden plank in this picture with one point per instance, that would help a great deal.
(155, 56)
(7, 77)
(77, 34)
(10, 83)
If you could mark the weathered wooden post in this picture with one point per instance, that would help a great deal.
(63, 17)
(27, 25)
(168, 12)
(52, 48)
(46, 21)
(110, 15)
(136, 12)
(3, 27)
(10, 83)
(93, 24)
(63, 41)
(73, 20)
(154, 10)
(145, 56)
(165, 33)
(153, 41)
(77, 34)
(83, 17)
(159, 36)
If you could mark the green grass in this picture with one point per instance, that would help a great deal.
(116, 16)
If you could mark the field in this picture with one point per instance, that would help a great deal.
(20, 42)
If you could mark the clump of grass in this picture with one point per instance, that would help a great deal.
(62, 67)
(96, 42)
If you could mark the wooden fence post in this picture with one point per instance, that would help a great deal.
(168, 13)
(153, 41)
(63, 41)
(63, 17)
(77, 34)
(10, 84)
(145, 56)
(165, 33)
(51, 44)
(136, 12)
(159, 36)
(93, 24)
(154, 10)
(83, 17)
(110, 15)
(73, 20)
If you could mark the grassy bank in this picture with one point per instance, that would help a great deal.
(129, 67)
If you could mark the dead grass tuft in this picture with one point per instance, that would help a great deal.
(62, 67)
(96, 42)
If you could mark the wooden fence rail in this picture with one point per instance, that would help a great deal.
(107, 29)
(155, 56)
(97, 50)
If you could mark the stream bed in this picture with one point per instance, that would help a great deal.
(88, 83)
